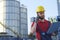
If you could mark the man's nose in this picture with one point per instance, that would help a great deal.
(42, 14)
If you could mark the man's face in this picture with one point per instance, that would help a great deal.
(41, 15)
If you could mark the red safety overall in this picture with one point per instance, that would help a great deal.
(43, 26)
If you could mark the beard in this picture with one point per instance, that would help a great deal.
(39, 17)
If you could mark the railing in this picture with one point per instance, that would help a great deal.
(10, 38)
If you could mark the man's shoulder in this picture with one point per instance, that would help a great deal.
(47, 20)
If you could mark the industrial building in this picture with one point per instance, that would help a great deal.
(14, 17)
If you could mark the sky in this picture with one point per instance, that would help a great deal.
(50, 6)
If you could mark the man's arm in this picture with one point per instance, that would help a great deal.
(33, 28)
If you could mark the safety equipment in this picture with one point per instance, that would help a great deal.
(40, 9)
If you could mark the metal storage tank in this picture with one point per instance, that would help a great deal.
(23, 21)
(9, 12)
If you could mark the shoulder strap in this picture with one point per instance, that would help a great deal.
(39, 29)
(49, 23)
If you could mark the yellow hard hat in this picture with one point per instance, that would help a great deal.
(40, 9)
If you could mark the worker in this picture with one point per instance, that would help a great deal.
(41, 25)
